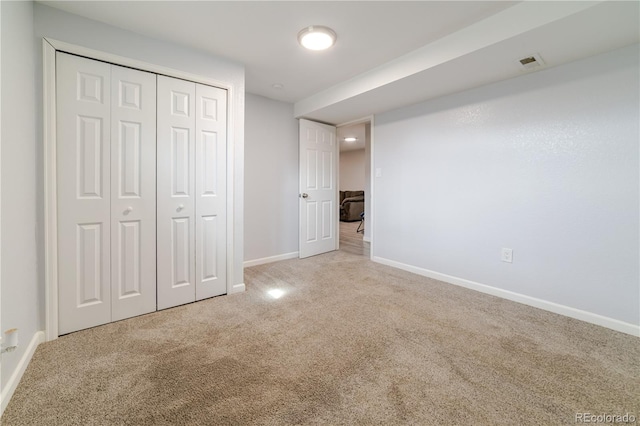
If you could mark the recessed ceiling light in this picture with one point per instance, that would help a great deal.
(278, 86)
(317, 37)
(350, 139)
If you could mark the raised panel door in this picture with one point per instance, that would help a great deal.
(84, 192)
(133, 192)
(141, 166)
(176, 215)
(210, 191)
(318, 190)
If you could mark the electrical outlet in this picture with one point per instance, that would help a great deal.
(507, 255)
(10, 340)
(378, 172)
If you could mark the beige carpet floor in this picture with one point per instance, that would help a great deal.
(348, 342)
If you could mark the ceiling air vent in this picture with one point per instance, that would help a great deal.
(531, 62)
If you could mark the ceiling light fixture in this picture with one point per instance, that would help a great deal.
(317, 37)
(350, 139)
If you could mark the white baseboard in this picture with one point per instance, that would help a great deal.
(13, 381)
(557, 308)
(256, 262)
(237, 288)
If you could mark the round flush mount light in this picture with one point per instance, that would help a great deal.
(350, 139)
(317, 37)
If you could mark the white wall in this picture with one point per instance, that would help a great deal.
(271, 179)
(545, 164)
(73, 29)
(352, 170)
(21, 290)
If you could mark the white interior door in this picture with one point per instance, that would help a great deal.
(83, 167)
(175, 192)
(106, 192)
(210, 167)
(133, 192)
(141, 183)
(318, 190)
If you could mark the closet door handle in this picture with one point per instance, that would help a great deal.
(128, 210)
(180, 207)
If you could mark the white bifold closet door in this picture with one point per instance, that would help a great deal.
(106, 176)
(191, 250)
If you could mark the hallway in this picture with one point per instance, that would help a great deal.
(351, 241)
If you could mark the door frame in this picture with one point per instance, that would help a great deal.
(49, 49)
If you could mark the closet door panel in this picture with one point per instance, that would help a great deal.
(176, 192)
(83, 158)
(133, 192)
(210, 190)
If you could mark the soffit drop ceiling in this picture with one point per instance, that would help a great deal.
(483, 53)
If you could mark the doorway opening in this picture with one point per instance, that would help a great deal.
(354, 184)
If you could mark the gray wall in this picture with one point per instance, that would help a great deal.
(271, 178)
(22, 293)
(545, 164)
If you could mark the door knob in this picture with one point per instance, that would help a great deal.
(305, 195)
(128, 210)
(180, 207)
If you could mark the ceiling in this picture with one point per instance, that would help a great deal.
(384, 51)
(262, 35)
